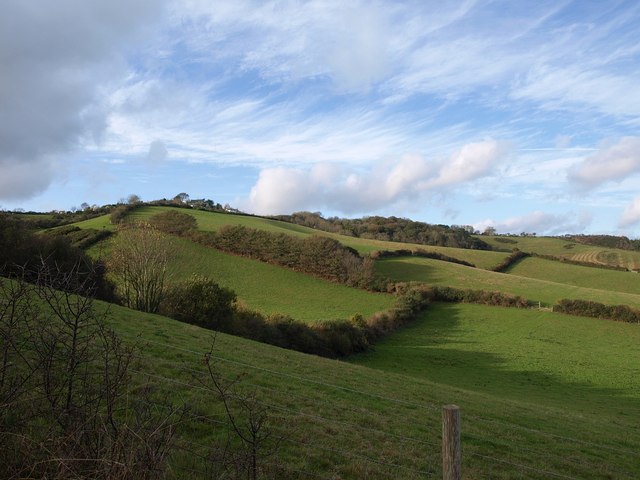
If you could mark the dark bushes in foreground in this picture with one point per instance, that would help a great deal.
(586, 308)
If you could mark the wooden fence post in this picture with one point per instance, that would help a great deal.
(451, 452)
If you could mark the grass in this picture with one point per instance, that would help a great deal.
(211, 221)
(347, 421)
(565, 248)
(270, 288)
(577, 275)
(535, 356)
(436, 272)
(98, 223)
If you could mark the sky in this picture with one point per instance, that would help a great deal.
(520, 115)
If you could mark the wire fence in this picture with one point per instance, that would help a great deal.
(321, 429)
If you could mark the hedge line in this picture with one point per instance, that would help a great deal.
(316, 255)
(512, 259)
(586, 308)
(482, 297)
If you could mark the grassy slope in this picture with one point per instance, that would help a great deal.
(525, 355)
(340, 419)
(577, 275)
(575, 251)
(210, 221)
(436, 272)
(272, 289)
(103, 221)
(269, 288)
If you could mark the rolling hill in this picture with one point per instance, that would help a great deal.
(543, 395)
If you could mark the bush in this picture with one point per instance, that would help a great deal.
(586, 308)
(511, 260)
(200, 301)
(174, 223)
(482, 297)
(316, 255)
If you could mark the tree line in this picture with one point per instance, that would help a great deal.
(391, 229)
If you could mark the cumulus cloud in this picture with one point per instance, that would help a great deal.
(631, 214)
(57, 59)
(351, 190)
(541, 223)
(611, 163)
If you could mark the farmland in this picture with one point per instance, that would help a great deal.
(542, 394)
(538, 290)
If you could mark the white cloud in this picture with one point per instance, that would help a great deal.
(541, 223)
(472, 161)
(353, 190)
(631, 214)
(611, 163)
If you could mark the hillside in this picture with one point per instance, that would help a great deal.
(543, 395)
(537, 287)
(569, 249)
(348, 421)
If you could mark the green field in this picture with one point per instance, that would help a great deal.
(270, 288)
(543, 395)
(577, 275)
(566, 248)
(534, 356)
(522, 417)
(98, 223)
(211, 221)
(436, 272)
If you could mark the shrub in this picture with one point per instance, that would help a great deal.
(200, 301)
(511, 260)
(586, 308)
(173, 222)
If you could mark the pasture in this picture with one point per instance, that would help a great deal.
(560, 247)
(269, 288)
(521, 418)
(211, 221)
(545, 358)
(436, 272)
(581, 276)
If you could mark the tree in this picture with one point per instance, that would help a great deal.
(181, 198)
(66, 403)
(139, 262)
(200, 301)
(133, 199)
(174, 223)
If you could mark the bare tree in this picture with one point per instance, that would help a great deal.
(66, 409)
(249, 427)
(139, 261)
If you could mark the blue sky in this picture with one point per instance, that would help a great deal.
(520, 115)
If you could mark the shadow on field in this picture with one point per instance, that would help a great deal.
(409, 271)
(427, 350)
